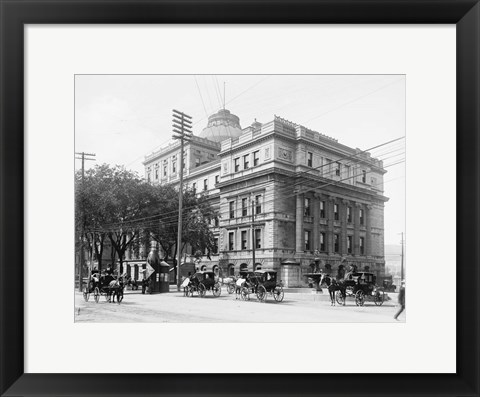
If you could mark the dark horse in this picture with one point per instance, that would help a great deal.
(333, 286)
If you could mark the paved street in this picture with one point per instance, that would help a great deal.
(174, 307)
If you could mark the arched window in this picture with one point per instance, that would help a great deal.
(243, 267)
(204, 267)
(231, 269)
(216, 270)
(258, 266)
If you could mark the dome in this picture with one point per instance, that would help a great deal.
(221, 125)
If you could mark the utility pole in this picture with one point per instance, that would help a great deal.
(182, 130)
(84, 156)
(253, 234)
(401, 268)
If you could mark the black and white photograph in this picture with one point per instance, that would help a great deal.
(240, 198)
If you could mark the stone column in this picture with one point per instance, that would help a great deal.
(316, 222)
(343, 225)
(330, 216)
(299, 232)
(356, 228)
(368, 223)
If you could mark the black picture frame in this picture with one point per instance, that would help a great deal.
(15, 14)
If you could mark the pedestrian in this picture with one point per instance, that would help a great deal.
(144, 285)
(401, 300)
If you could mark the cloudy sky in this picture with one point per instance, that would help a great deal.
(123, 118)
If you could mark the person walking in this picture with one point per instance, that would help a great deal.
(401, 300)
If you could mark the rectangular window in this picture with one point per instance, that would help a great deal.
(337, 169)
(148, 177)
(322, 241)
(194, 187)
(244, 239)
(309, 159)
(307, 240)
(258, 238)
(349, 244)
(164, 171)
(364, 176)
(216, 221)
(205, 184)
(231, 245)
(232, 209)
(349, 214)
(217, 178)
(307, 207)
(335, 212)
(361, 217)
(256, 158)
(336, 243)
(322, 209)
(362, 245)
(246, 161)
(215, 246)
(244, 207)
(258, 205)
(236, 163)
(174, 167)
(156, 173)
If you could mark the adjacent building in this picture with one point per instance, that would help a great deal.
(299, 198)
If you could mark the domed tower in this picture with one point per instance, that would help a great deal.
(221, 125)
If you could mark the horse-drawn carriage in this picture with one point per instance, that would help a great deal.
(362, 286)
(261, 283)
(200, 283)
(107, 286)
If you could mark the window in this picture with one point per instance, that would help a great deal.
(231, 245)
(232, 209)
(349, 244)
(307, 207)
(236, 163)
(258, 205)
(258, 238)
(156, 173)
(362, 245)
(337, 169)
(174, 167)
(194, 187)
(244, 207)
(322, 209)
(164, 171)
(335, 212)
(205, 184)
(246, 161)
(309, 159)
(244, 239)
(361, 217)
(256, 158)
(336, 242)
(307, 240)
(349, 214)
(148, 177)
(364, 176)
(217, 179)
(322, 241)
(216, 221)
(215, 245)
(197, 161)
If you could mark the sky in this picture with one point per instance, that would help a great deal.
(123, 118)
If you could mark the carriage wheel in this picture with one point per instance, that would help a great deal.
(108, 295)
(217, 289)
(96, 294)
(278, 293)
(379, 298)
(86, 294)
(230, 288)
(245, 293)
(340, 298)
(261, 293)
(202, 290)
(360, 298)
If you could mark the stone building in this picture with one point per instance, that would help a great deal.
(301, 198)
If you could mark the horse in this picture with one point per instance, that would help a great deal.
(115, 288)
(333, 285)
